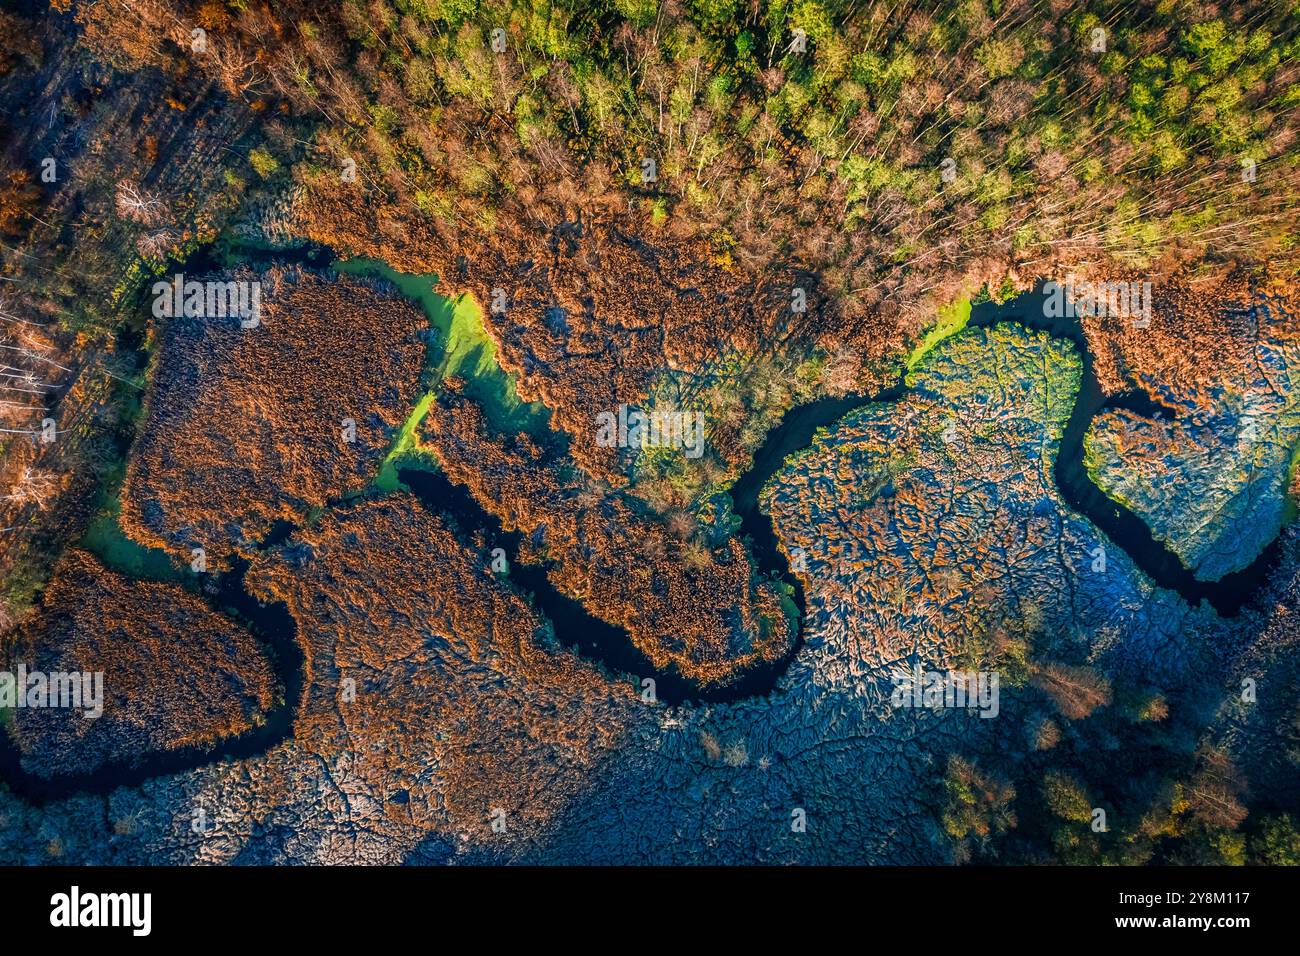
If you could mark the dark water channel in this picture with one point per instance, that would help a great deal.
(609, 645)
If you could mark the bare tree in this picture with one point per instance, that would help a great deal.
(237, 70)
(1076, 691)
(156, 244)
(34, 487)
(135, 205)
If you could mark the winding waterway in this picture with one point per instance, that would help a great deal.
(273, 626)
(609, 645)
(1124, 528)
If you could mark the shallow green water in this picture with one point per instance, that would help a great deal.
(461, 347)
(107, 541)
(951, 319)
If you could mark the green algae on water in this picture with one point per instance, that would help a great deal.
(460, 346)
